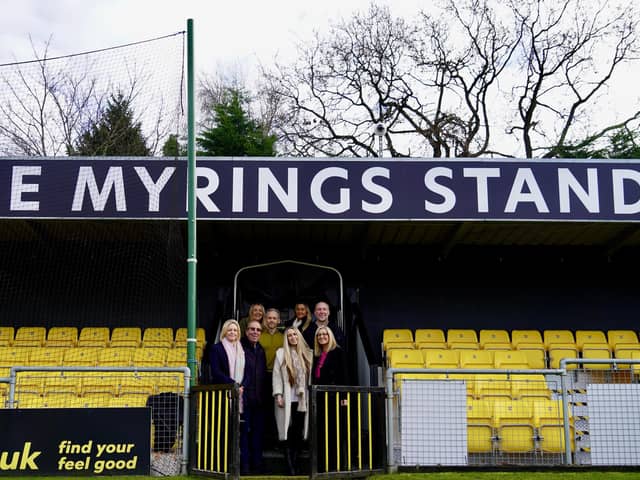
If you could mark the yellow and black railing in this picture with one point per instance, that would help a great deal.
(347, 436)
(215, 442)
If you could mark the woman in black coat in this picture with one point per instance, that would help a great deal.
(329, 368)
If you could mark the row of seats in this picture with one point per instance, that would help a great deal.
(93, 384)
(543, 350)
(97, 337)
(74, 401)
(613, 341)
(483, 386)
(500, 359)
(515, 426)
(94, 357)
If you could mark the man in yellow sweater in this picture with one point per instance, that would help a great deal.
(271, 340)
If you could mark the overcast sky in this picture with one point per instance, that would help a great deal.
(226, 31)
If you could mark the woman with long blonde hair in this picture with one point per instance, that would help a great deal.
(291, 378)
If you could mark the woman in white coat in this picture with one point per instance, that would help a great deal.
(291, 377)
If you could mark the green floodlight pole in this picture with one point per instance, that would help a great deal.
(192, 259)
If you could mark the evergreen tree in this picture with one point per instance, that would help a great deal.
(235, 133)
(115, 134)
(173, 148)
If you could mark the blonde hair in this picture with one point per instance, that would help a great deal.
(303, 351)
(226, 325)
(259, 306)
(317, 349)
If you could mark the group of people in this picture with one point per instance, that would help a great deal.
(274, 367)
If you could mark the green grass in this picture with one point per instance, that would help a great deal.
(586, 474)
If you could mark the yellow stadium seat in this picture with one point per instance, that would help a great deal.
(177, 357)
(81, 357)
(157, 337)
(30, 337)
(405, 358)
(126, 401)
(115, 357)
(126, 337)
(479, 359)
(141, 383)
(589, 352)
(430, 338)
(515, 426)
(535, 358)
(620, 340)
(62, 337)
(480, 431)
(441, 358)
(548, 421)
(64, 400)
(397, 338)
(61, 383)
(562, 337)
(529, 386)
(492, 385)
(12, 357)
(168, 382)
(510, 360)
(592, 339)
(6, 336)
(462, 338)
(526, 339)
(495, 340)
(181, 337)
(30, 382)
(29, 400)
(100, 384)
(93, 337)
(559, 351)
(150, 357)
(45, 356)
(635, 368)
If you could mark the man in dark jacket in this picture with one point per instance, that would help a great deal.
(253, 408)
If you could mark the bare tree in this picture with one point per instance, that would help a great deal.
(344, 84)
(569, 54)
(47, 103)
(43, 109)
(451, 83)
